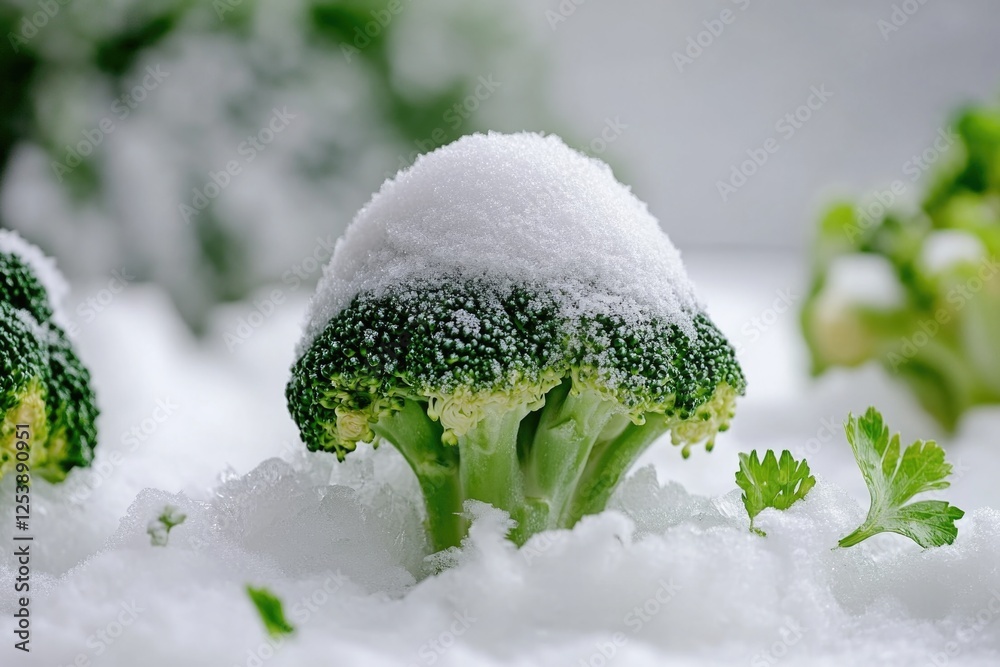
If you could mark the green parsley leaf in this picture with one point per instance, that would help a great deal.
(893, 478)
(271, 611)
(773, 482)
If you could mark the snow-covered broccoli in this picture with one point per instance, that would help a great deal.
(919, 291)
(515, 323)
(43, 384)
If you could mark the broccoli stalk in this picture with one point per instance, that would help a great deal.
(492, 393)
(418, 439)
(568, 427)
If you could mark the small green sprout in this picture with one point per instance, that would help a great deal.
(894, 477)
(774, 482)
(159, 528)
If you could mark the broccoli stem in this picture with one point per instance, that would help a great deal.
(418, 439)
(609, 460)
(569, 425)
(489, 468)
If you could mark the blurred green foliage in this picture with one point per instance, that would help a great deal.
(941, 336)
(92, 43)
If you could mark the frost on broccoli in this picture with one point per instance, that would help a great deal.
(496, 396)
(43, 384)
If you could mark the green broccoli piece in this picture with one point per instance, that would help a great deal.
(43, 384)
(271, 611)
(940, 337)
(22, 288)
(494, 394)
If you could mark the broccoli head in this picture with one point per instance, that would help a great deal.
(494, 394)
(513, 321)
(43, 384)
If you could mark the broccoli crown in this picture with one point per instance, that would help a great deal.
(42, 381)
(466, 348)
(21, 287)
(514, 396)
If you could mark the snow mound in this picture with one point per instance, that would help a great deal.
(512, 209)
(11, 243)
(666, 577)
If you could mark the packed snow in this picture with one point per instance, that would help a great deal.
(513, 209)
(669, 575)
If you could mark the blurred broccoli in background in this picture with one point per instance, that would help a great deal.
(919, 291)
(142, 133)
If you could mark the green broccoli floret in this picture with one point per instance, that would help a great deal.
(21, 287)
(496, 394)
(43, 384)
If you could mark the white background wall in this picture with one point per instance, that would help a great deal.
(686, 129)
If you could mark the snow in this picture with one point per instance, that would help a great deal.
(514, 209)
(669, 575)
(44, 268)
(864, 279)
(945, 248)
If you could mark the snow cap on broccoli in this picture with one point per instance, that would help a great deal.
(43, 384)
(514, 321)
